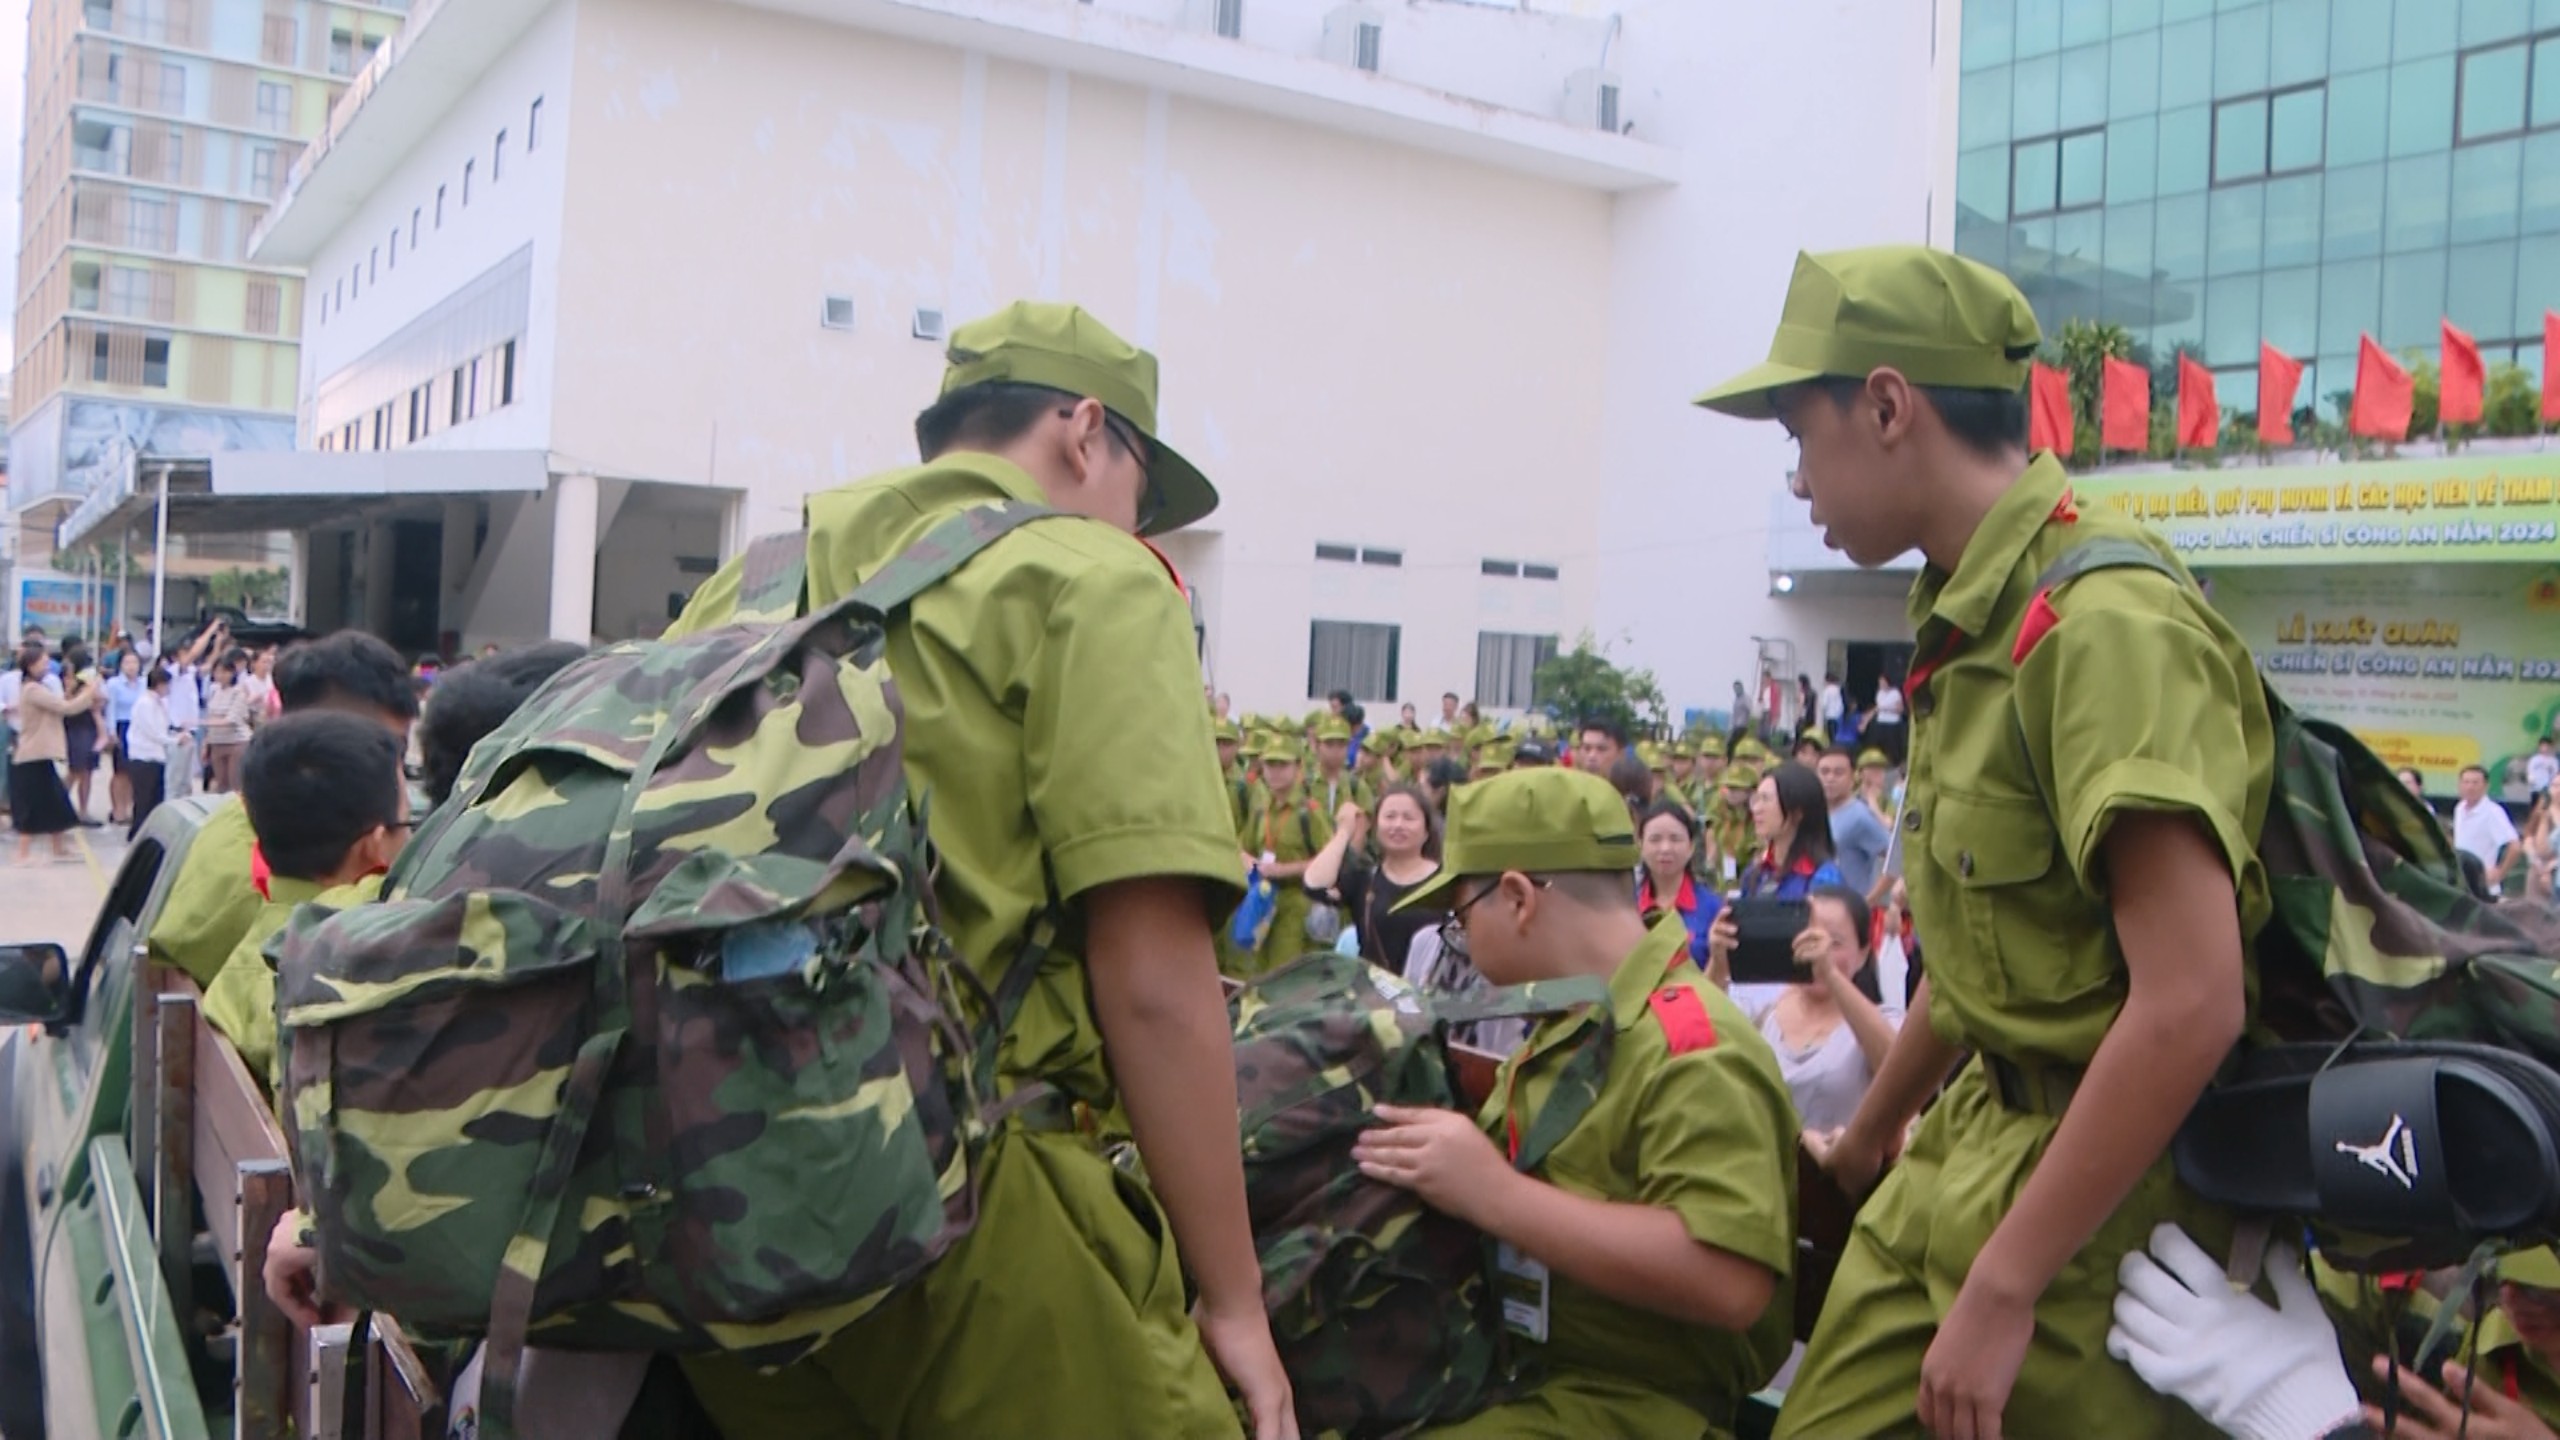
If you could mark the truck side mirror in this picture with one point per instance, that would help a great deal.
(35, 981)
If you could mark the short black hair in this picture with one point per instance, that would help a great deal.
(1672, 809)
(348, 665)
(315, 784)
(2480, 770)
(1861, 925)
(987, 416)
(1845, 753)
(2413, 773)
(1354, 716)
(473, 700)
(1987, 422)
(1607, 725)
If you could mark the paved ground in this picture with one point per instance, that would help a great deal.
(47, 900)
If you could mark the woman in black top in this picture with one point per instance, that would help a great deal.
(1408, 831)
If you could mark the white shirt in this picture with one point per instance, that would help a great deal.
(2540, 771)
(2481, 831)
(1888, 704)
(1833, 705)
(146, 735)
(186, 700)
(10, 680)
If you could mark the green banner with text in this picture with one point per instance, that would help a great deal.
(2467, 508)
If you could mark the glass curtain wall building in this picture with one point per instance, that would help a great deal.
(2208, 173)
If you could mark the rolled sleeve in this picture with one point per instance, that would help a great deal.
(1715, 1136)
(2135, 705)
(1122, 770)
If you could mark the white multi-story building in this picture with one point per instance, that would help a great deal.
(602, 288)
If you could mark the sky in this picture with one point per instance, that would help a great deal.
(13, 112)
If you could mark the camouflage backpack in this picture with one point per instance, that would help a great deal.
(1386, 1312)
(653, 1042)
(2375, 930)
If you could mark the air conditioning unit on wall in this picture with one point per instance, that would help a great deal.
(1353, 35)
(1591, 101)
(1218, 17)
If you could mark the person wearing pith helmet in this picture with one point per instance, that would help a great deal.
(1050, 638)
(1636, 1159)
(2103, 870)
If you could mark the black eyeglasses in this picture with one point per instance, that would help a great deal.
(1453, 929)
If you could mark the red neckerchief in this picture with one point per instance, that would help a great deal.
(259, 873)
(1686, 901)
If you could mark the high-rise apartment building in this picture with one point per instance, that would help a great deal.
(156, 133)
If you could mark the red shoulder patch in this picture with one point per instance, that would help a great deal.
(1167, 562)
(2040, 618)
(1685, 1022)
(2066, 511)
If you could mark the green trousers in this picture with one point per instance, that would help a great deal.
(1908, 1256)
(1061, 1315)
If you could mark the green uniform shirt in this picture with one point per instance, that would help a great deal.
(1025, 677)
(2006, 879)
(1329, 794)
(212, 901)
(1708, 1134)
(241, 1001)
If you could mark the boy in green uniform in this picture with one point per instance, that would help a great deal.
(1646, 1210)
(1334, 781)
(1736, 842)
(329, 805)
(1024, 675)
(1285, 830)
(1875, 783)
(214, 900)
(2081, 860)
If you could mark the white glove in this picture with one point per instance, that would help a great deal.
(2253, 1372)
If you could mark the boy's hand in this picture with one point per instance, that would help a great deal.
(1439, 1155)
(1242, 1349)
(2432, 1414)
(1971, 1367)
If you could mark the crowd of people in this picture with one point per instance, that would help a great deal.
(164, 727)
(1342, 822)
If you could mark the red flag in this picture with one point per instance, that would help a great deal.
(2279, 375)
(2048, 409)
(2126, 399)
(2381, 408)
(2458, 396)
(2199, 414)
(2550, 366)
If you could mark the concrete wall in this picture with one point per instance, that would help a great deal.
(521, 207)
(1361, 344)
(1806, 126)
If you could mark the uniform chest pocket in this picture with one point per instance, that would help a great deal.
(1995, 860)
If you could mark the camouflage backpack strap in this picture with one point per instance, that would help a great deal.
(773, 581)
(2070, 565)
(950, 544)
(1577, 1088)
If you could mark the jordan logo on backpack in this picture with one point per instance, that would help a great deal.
(2379, 1159)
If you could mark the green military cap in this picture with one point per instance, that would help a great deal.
(1333, 727)
(1740, 777)
(1483, 735)
(1495, 756)
(1389, 741)
(1432, 739)
(1033, 342)
(1227, 732)
(1683, 749)
(1540, 822)
(1750, 751)
(1938, 318)
(1873, 759)
(1815, 735)
(2539, 1268)
(1285, 750)
(1653, 755)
